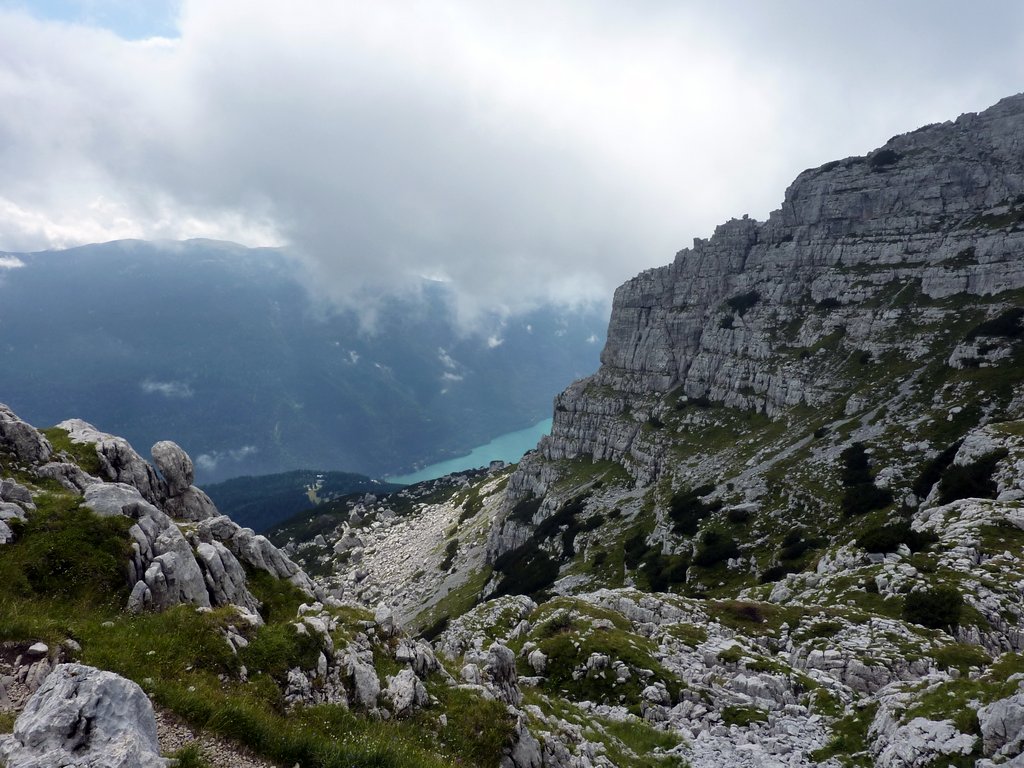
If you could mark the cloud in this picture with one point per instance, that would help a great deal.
(447, 360)
(520, 153)
(209, 461)
(494, 341)
(175, 390)
(11, 262)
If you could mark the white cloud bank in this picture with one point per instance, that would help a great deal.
(521, 152)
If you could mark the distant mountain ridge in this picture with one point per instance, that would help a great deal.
(266, 500)
(221, 347)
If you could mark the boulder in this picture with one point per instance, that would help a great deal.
(23, 440)
(363, 676)
(82, 717)
(1002, 726)
(191, 504)
(110, 499)
(16, 493)
(175, 466)
(502, 679)
(406, 693)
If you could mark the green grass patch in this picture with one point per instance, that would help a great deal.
(83, 454)
(961, 656)
(460, 600)
(849, 739)
(743, 716)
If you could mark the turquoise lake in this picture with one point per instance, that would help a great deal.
(509, 447)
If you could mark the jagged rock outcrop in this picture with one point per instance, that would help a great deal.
(866, 257)
(22, 440)
(118, 460)
(183, 500)
(82, 717)
(253, 550)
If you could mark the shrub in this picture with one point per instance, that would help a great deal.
(829, 302)
(715, 548)
(738, 515)
(774, 573)
(524, 511)
(932, 471)
(686, 509)
(865, 497)
(794, 549)
(887, 538)
(742, 611)
(726, 322)
(635, 548)
(278, 648)
(855, 465)
(450, 551)
(938, 608)
(971, 481)
(528, 570)
(1007, 325)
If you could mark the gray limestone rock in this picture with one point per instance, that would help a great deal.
(16, 493)
(163, 560)
(405, 693)
(846, 233)
(363, 676)
(253, 550)
(225, 577)
(82, 717)
(118, 460)
(191, 504)
(110, 499)
(68, 475)
(502, 679)
(175, 466)
(24, 441)
(1002, 726)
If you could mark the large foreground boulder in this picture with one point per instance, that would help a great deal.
(83, 717)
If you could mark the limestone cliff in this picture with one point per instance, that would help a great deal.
(863, 247)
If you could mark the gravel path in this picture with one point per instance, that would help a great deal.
(219, 753)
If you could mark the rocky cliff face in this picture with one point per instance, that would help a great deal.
(868, 245)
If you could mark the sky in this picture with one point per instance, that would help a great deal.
(522, 152)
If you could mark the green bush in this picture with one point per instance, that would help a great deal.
(686, 509)
(451, 549)
(715, 548)
(933, 470)
(524, 511)
(887, 538)
(1006, 325)
(528, 570)
(860, 499)
(855, 466)
(971, 481)
(774, 573)
(738, 515)
(938, 608)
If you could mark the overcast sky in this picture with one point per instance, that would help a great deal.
(521, 150)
